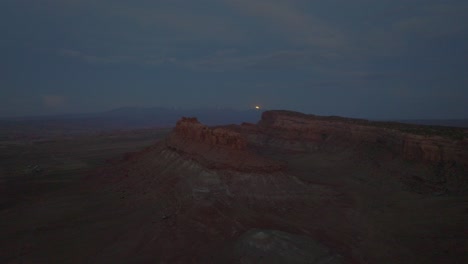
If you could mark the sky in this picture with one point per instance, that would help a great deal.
(363, 58)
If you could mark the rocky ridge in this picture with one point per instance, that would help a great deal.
(218, 148)
(190, 129)
(414, 142)
(443, 150)
(235, 147)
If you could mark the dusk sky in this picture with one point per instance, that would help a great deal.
(361, 58)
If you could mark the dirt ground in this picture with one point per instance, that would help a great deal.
(35, 167)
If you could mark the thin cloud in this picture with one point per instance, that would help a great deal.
(228, 60)
(53, 101)
(287, 18)
(437, 20)
(179, 25)
(113, 59)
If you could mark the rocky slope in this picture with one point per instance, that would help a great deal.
(443, 150)
(212, 185)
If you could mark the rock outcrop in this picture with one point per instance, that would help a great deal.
(218, 148)
(442, 150)
(190, 129)
(414, 142)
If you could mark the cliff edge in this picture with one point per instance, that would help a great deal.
(217, 148)
(433, 144)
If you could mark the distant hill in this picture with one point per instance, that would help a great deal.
(128, 118)
(168, 117)
(125, 118)
(438, 122)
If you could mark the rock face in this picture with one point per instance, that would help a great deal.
(190, 129)
(443, 150)
(420, 143)
(218, 148)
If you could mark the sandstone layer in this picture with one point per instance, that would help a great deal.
(443, 150)
(424, 143)
(217, 148)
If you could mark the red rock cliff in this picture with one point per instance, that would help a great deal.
(190, 129)
(217, 148)
(424, 143)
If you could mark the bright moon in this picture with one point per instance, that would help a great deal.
(257, 107)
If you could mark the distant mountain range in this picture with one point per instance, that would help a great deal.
(128, 118)
(125, 118)
(137, 117)
(157, 116)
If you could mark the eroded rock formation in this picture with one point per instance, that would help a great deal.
(443, 150)
(225, 188)
(420, 143)
(218, 148)
(191, 130)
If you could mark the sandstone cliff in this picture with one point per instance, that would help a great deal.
(217, 148)
(190, 129)
(414, 142)
(443, 151)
